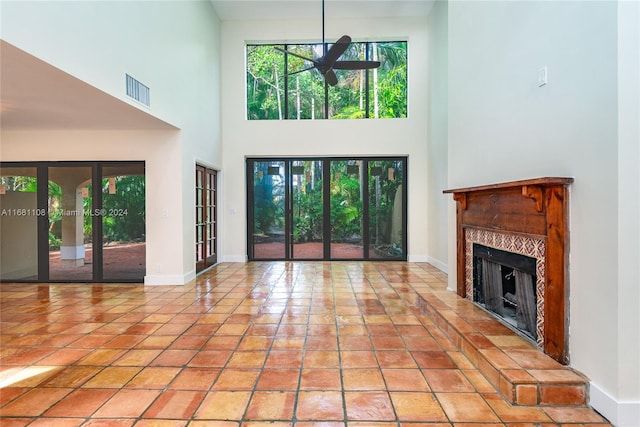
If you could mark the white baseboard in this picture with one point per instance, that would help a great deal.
(620, 414)
(438, 264)
(417, 258)
(233, 258)
(169, 279)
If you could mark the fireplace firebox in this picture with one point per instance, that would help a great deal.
(504, 283)
(527, 218)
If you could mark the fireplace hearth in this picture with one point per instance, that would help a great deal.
(528, 220)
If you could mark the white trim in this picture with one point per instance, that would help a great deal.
(418, 258)
(169, 279)
(438, 264)
(234, 258)
(620, 414)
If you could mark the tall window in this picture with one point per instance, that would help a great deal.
(275, 91)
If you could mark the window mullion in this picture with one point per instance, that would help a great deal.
(286, 83)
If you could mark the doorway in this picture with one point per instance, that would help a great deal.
(73, 221)
(326, 208)
(206, 217)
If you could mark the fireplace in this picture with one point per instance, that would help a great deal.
(504, 283)
(512, 256)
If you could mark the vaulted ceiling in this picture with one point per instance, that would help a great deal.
(36, 95)
(309, 9)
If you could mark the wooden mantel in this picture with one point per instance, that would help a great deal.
(536, 207)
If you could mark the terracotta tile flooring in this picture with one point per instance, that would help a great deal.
(315, 344)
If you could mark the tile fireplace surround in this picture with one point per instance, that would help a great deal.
(528, 217)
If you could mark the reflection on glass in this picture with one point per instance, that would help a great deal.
(386, 218)
(123, 227)
(346, 209)
(70, 210)
(268, 210)
(307, 209)
(19, 223)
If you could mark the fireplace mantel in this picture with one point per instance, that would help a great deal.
(537, 208)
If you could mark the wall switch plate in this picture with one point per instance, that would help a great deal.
(542, 76)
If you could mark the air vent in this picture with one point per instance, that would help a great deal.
(138, 91)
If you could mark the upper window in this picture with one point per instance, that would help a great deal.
(278, 89)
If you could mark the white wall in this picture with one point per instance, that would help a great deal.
(322, 137)
(503, 127)
(157, 148)
(173, 48)
(628, 213)
(18, 236)
(437, 168)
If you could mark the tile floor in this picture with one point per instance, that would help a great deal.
(331, 344)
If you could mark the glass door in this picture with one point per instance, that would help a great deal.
(307, 214)
(19, 223)
(206, 220)
(327, 208)
(72, 221)
(123, 227)
(346, 209)
(386, 209)
(268, 207)
(71, 213)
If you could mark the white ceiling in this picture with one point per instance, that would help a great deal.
(229, 10)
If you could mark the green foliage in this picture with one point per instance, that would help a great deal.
(24, 184)
(346, 203)
(305, 91)
(124, 212)
(392, 80)
(55, 215)
(307, 212)
(265, 82)
(268, 200)
(351, 112)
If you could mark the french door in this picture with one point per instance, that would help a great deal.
(327, 208)
(206, 217)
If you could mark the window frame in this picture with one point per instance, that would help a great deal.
(367, 48)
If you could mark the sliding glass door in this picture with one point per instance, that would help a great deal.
(267, 231)
(326, 208)
(72, 221)
(306, 213)
(386, 208)
(123, 221)
(19, 222)
(347, 238)
(70, 209)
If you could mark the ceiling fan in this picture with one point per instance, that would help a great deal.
(329, 59)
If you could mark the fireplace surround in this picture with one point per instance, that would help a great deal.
(529, 218)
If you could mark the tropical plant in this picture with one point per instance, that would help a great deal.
(268, 200)
(271, 95)
(124, 211)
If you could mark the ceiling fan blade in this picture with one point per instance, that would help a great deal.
(295, 54)
(355, 65)
(336, 50)
(331, 78)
